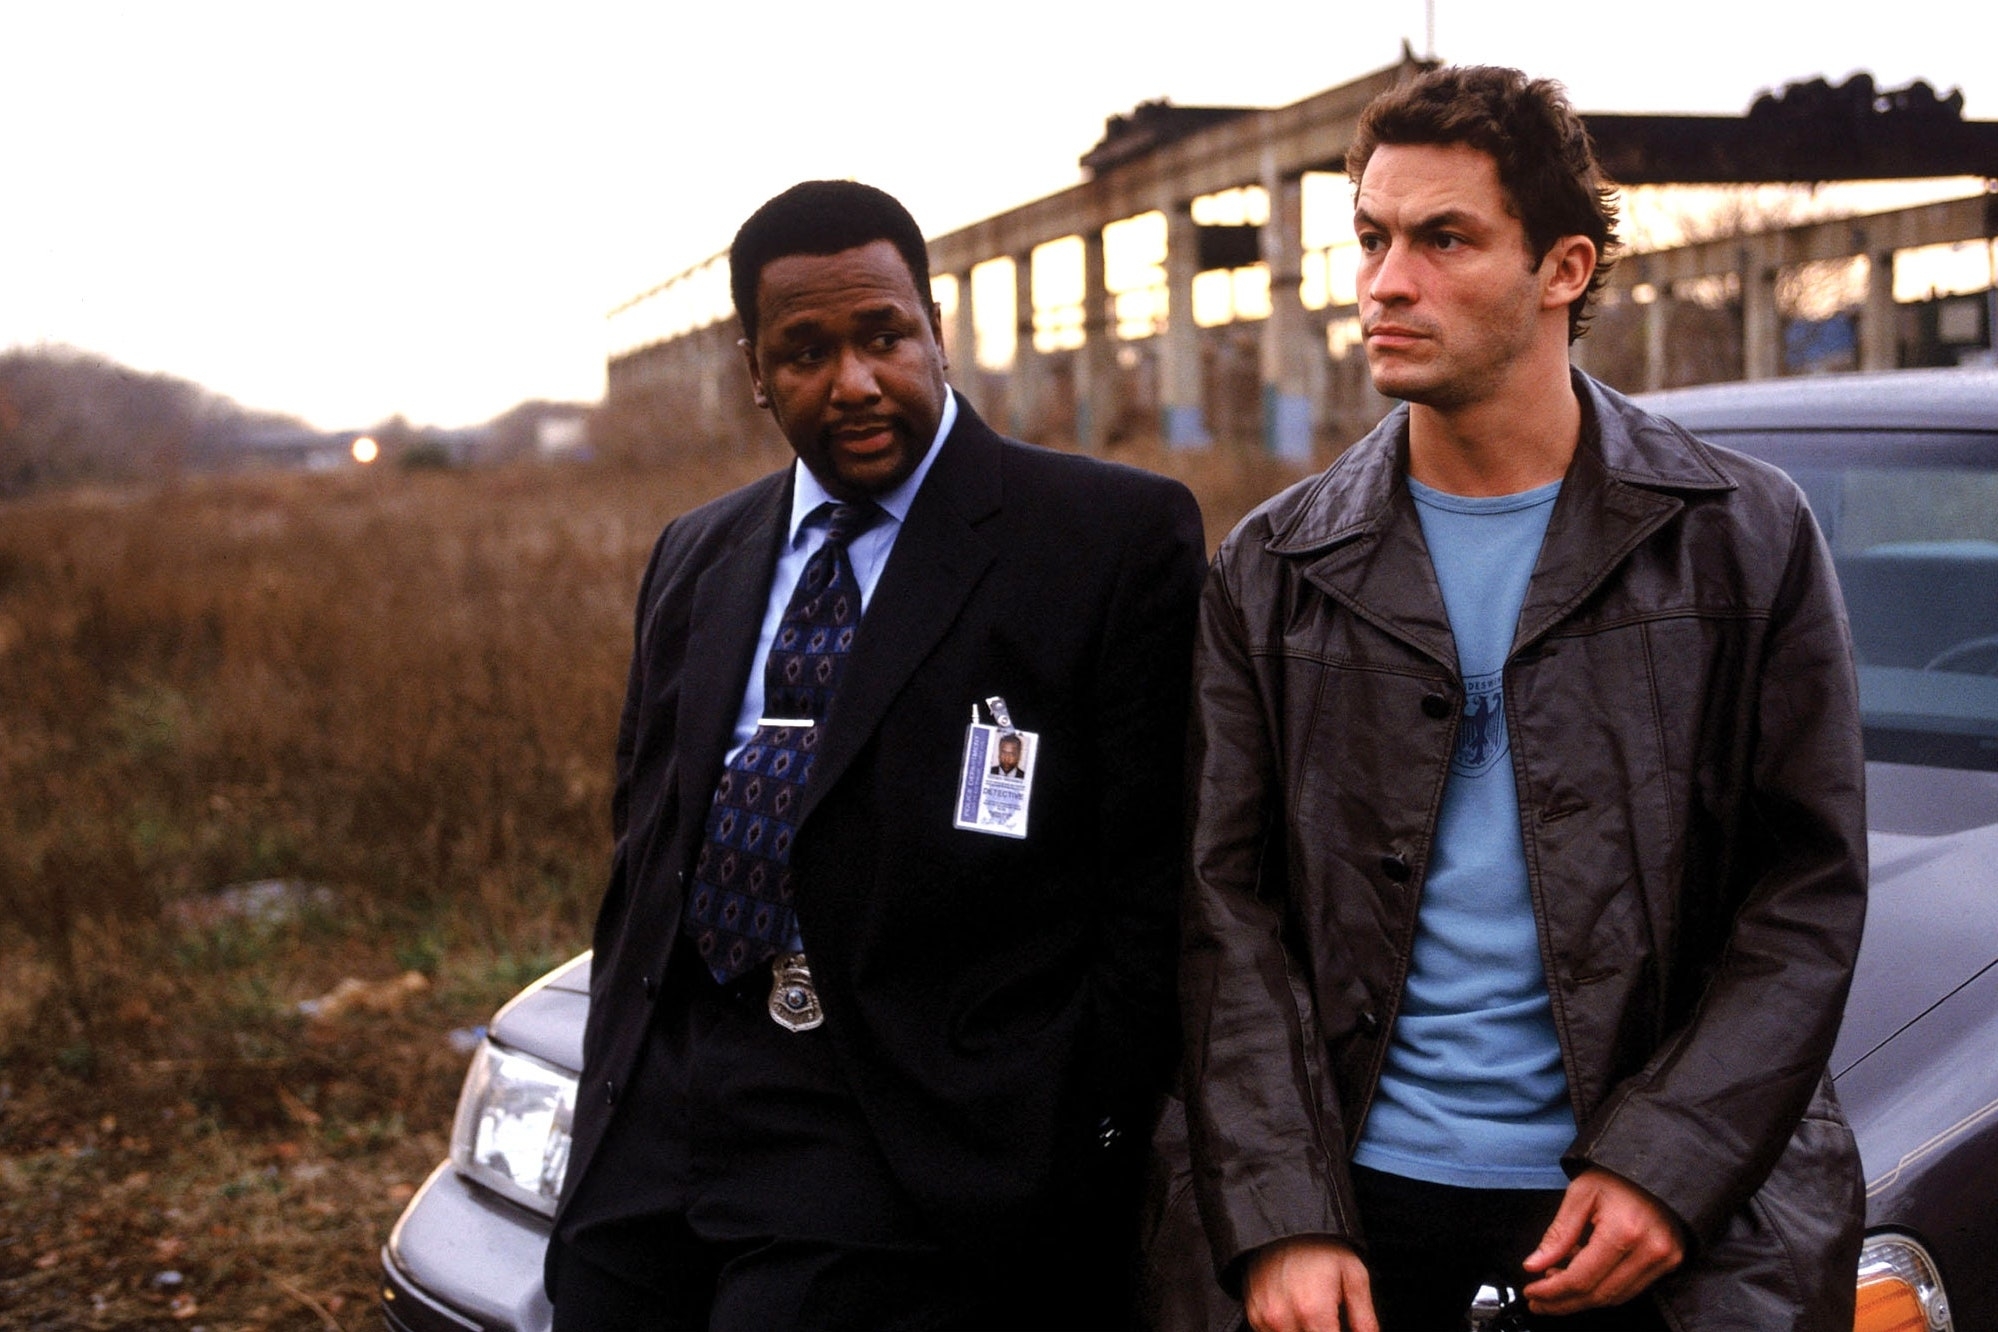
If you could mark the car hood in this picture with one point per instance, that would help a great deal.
(546, 1019)
(1930, 930)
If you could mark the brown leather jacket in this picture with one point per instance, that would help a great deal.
(1685, 738)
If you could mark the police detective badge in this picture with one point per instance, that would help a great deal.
(995, 784)
(794, 1000)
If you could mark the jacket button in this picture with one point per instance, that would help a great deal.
(1395, 867)
(610, 1092)
(1435, 705)
(651, 984)
(1369, 1021)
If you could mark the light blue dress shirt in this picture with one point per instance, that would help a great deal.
(868, 553)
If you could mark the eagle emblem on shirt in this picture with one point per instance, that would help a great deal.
(1481, 738)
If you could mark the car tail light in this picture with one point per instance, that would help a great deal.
(1899, 1289)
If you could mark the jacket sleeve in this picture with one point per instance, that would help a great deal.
(617, 888)
(1703, 1122)
(1267, 1146)
(1139, 699)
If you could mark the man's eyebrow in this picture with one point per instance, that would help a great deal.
(797, 330)
(1447, 219)
(1443, 220)
(887, 312)
(806, 326)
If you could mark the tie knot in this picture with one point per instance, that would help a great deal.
(846, 521)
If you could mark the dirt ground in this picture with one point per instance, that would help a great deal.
(245, 1186)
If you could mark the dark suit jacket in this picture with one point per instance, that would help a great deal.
(991, 999)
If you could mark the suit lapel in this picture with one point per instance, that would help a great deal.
(939, 558)
(723, 624)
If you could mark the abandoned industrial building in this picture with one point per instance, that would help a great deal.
(1197, 285)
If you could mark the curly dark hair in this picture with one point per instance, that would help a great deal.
(1546, 162)
(821, 217)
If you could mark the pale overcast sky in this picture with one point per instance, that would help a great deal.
(347, 211)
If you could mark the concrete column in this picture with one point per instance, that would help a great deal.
(1287, 418)
(961, 339)
(1761, 322)
(1317, 369)
(1024, 389)
(1096, 362)
(1879, 325)
(705, 348)
(1181, 409)
(1657, 345)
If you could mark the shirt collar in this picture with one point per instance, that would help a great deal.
(807, 494)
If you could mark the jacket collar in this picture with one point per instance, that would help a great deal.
(1632, 475)
(1357, 526)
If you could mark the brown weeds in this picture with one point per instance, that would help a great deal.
(394, 693)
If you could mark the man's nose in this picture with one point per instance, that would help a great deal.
(1389, 276)
(853, 378)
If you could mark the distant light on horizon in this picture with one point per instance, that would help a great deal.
(366, 450)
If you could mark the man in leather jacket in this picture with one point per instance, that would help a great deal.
(1528, 862)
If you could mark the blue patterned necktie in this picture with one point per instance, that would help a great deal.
(740, 910)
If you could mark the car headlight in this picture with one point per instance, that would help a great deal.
(1899, 1289)
(511, 1133)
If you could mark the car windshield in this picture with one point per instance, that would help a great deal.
(1912, 519)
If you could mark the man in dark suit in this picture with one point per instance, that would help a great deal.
(857, 1055)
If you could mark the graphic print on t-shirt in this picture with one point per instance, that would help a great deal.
(1481, 736)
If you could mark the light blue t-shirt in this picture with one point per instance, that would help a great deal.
(1473, 1092)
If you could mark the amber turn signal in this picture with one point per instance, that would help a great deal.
(1899, 1289)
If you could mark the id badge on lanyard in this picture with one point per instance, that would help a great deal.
(995, 785)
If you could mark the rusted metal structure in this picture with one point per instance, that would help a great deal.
(1279, 373)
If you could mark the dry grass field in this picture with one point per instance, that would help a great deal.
(393, 692)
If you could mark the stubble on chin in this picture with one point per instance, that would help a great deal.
(1427, 384)
(1397, 379)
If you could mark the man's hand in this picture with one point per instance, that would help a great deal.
(1308, 1284)
(1608, 1242)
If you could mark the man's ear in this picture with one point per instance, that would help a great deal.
(756, 389)
(936, 330)
(1566, 269)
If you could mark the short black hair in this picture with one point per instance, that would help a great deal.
(821, 217)
(1546, 161)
